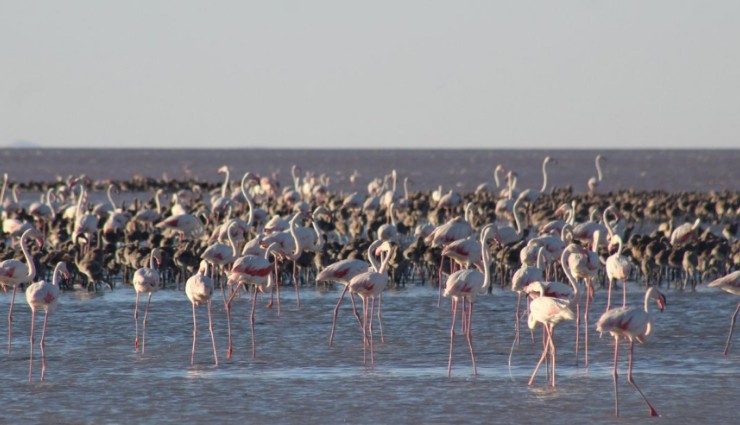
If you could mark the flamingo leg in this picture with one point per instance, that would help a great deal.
(516, 326)
(10, 320)
(354, 308)
(336, 313)
(452, 337)
(229, 349)
(277, 288)
(210, 327)
(551, 332)
(624, 293)
(30, 363)
(143, 331)
(578, 328)
(585, 325)
(615, 376)
(732, 328)
(370, 330)
(653, 412)
(251, 323)
(195, 333)
(539, 363)
(470, 337)
(297, 290)
(439, 282)
(380, 319)
(609, 295)
(43, 345)
(364, 331)
(136, 319)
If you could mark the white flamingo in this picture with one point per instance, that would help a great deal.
(146, 279)
(43, 295)
(199, 289)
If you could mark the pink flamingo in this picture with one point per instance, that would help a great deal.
(289, 246)
(146, 279)
(251, 270)
(551, 311)
(465, 285)
(199, 290)
(634, 323)
(519, 283)
(369, 286)
(618, 267)
(14, 273)
(731, 284)
(455, 229)
(343, 271)
(594, 182)
(44, 295)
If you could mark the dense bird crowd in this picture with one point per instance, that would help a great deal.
(262, 233)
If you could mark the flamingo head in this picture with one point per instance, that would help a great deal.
(63, 270)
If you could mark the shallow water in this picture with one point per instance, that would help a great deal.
(94, 375)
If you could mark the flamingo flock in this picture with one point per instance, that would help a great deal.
(553, 247)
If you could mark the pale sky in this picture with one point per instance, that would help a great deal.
(366, 74)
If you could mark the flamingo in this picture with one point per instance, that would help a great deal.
(634, 323)
(618, 267)
(519, 282)
(343, 271)
(685, 233)
(14, 273)
(465, 285)
(455, 229)
(256, 271)
(146, 279)
(44, 295)
(531, 195)
(550, 311)
(187, 225)
(199, 290)
(289, 246)
(593, 182)
(586, 266)
(731, 284)
(369, 286)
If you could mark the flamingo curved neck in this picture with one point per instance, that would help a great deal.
(5, 185)
(298, 246)
(569, 275)
(319, 237)
(57, 272)
(29, 259)
(517, 219)
(544, 176)
(485, 256)
(598, 168)
(374, 263)
(390, 213)
(406, 188)
(248, 198)
(607, 224)
(231, 239)
(110, 197)
(225, 186)
(157, 202)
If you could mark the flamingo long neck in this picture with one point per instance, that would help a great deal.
(78, 211)
(569, 275)
(390, 213)
(510, 185)
(49, 194)
(517, 219)
(696, 224)
(231, 239)
(151, 260)
(607, 224)
(57, 272)
(394, 178)
(319, 237)
(250, 204)
(29, 259)
(544, 176)
(14, 191)
(485, 256)
(595, 245)
(386, 260)
(157, 201)
(110, 196)
(619, 241)
(296, 239)
(469, 212)
(406, 188)
(374, 263)
(496, 178)
(598, 168)
(5, 185)
(225, 186)
(541, 258)
(270, 249)
(646, 303)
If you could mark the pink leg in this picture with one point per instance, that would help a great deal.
(615, 376)
(516, 326)
(380, 319)
(10, 321)
(729, 337)
(624, 293)
(251, 323)
(43, 345)
(136, 319)
(551, 331)
(297, 291)
(439, 282)
(213, 338)
(195, 334)
(336, 313)
(452, 336)
(364, 331)
(634, 384)
(33, 322)
(585, 325)
(539, 363)
(354, 308)
(578, 328)
(227, 304)
(143, 330)
(370, 329)
(609, 295)
(470, 337)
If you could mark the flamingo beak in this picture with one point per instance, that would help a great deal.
(661, 302)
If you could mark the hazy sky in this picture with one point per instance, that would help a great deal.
(353, 74)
